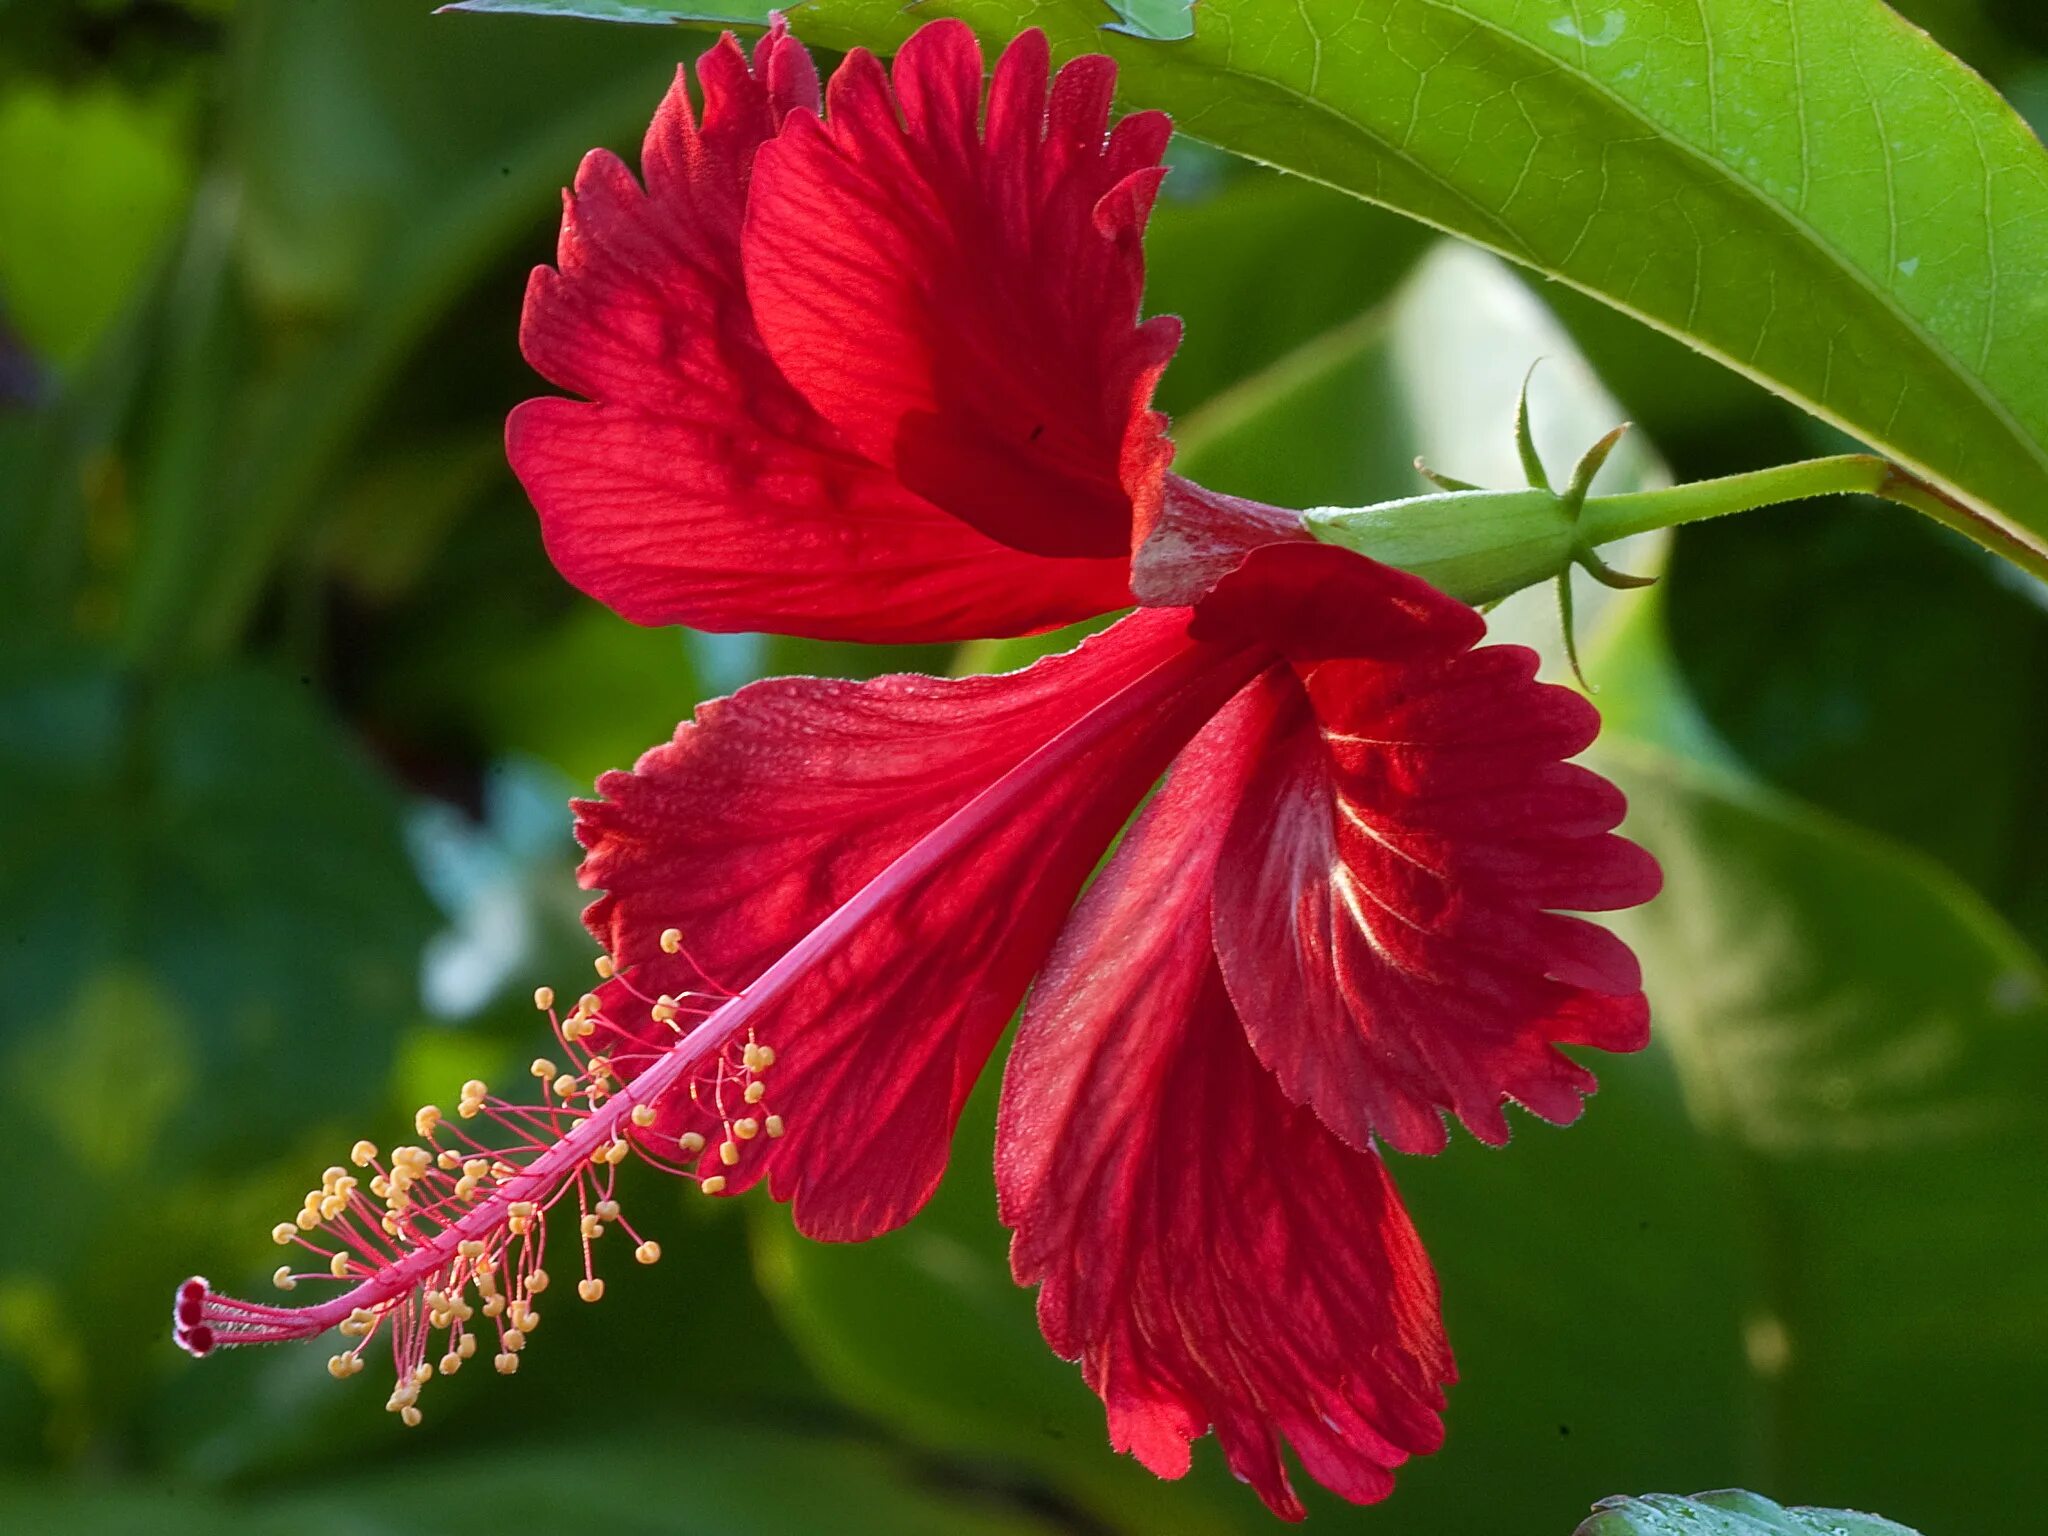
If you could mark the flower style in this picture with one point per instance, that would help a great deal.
(879, 373)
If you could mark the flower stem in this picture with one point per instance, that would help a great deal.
(1606, 518)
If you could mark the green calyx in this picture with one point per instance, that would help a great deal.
(1480, 545)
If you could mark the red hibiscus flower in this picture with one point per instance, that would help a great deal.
(880, 374)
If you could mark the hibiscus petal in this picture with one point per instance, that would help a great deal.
(1209, 1251)
(693, 484)
(962, 303)
(1390, 911)
(945, 824)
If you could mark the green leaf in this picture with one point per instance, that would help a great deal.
(665, 1479)
(1819, 197)
(1166, 20)
(611, 10)
(212, 934)
(375, 165)
(1838, 648)
(1864, 1043)
(1726, 1513)
(94, 183)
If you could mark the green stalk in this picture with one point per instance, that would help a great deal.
(1607, 518)
(1481, 545)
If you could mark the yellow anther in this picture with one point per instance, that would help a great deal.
(590, 1290)
(588, 1004)
(592, 1227)
(605, 969)
(283, 1232)
(758, 1057)
(425, 1119)
(450, 1363)
(390, 1226)
(380, 1186)
(494, 1306)
(412, 1160)
(334, 1178)
(617, 1152)
(662, 1011)
(506, 1363)
(643, 1115)
(522, 1210)
(409, 1416)
(476, 1168)
(476, 1088)
(308, 1219)
(525, 1323)
(746, 1129)
(608, 1209)
(338, 1266)
(671, 940)
(422, 1373)
(728, 1152)
(773, 1125)
(565, 1086)
(332, 1206)
(283, 1278)
(465, 1188)
(715, 1185)
(470, 1248)
(449, 1161)
(500, 1169)
(339, 1368)
(690, 1141)
(756, 1092)
(543, 998)
(647, 1252)
(536, 1282)
(467, 1346)
(542, 1067)
(359, 1322)
(363, 1153)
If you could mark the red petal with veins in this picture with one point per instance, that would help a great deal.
(960, 299)
(1389, 905)
(1208, 1250)
(958, 819)
(692, 483)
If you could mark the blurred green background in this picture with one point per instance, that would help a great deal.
(290, 702)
